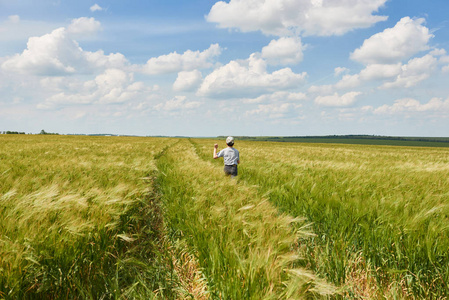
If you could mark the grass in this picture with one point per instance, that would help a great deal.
(78, 219)
(155, 218)
(245, 248)
(380, 214)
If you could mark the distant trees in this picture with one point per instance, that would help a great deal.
(20, 132)
(44, 132)
(12, 132)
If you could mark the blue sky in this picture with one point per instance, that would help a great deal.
(238, 67)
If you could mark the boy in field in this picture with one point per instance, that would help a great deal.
(230, 155)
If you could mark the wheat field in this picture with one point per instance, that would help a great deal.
(155, 218)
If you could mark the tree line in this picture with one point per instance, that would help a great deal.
(11, 132)
(19, 132)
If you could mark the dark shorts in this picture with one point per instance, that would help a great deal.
(231, 170)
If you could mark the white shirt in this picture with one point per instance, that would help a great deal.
(231, 156)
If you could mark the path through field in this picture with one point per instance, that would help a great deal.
(155, 218)
(380, 214)
(243, 245)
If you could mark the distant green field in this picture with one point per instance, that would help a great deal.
(359, 140)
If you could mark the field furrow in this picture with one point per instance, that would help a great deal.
(244, 247)
(156, 218)
(380, 214)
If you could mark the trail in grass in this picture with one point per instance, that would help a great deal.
(244, 248)
(381, 231)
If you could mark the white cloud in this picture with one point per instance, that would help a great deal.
(83, 26)
(438, 52)
(336, 100)
(112, 86)
(280, 17)
(391, 75)
(187, 80)
(50, 54)
(278, 105)
(444, 60)
(348, 81)
(380, 71)
(98, 60)
(370, 73)
(415, 71)
(321, 89)
(409, 105)
(281, 96)
(178, 103)
(248, 78)
(340, 70)
(96, 7)
(273, 110)
(188, 61)
(56, 54)
(405, 39)
(284, 51)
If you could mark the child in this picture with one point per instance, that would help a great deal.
(230, 155)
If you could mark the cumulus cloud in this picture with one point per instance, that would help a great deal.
(188, 61)
(273, 110)
(280, 17)
(392, 75)
(415, 71)
(336, 100)
(284, 51)
(248, 78)
(438, 52)
(56, 54)
(321, 89)
(112, 86)
(187, 80)
(405, 39)
(444, 59)
(370, 73)
(278, 105)
(408, 105)
(340, 70)
(348, 81)
(50, 54)
(95, 7)
(83, 26)
(178, 103)
(280, 96)
(99, 60)
(380, 71)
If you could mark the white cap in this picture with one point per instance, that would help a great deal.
(230, 140)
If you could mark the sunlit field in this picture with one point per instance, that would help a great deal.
(380, 214)
(155, 218)
(77, 218)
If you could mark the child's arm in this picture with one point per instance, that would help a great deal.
(215, 151)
